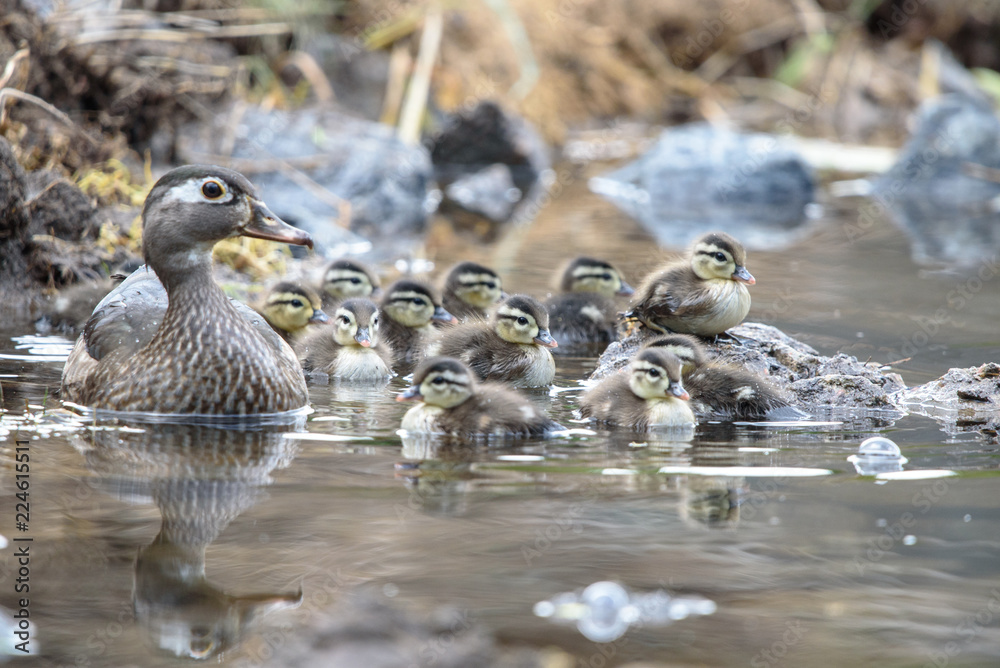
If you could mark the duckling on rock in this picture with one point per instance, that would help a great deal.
(470, 290)
(408, 308)
(343, 279)
(649, 393)
(290, 307)
(703, 294)
(722, 390)
(351, 351)
(513, 346)
(585, 312)
(452, 401)
(182, 346)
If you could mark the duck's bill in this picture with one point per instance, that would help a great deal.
(319, 317)
(409, 394)
(264, 224)
(743, 276)
(363, 337)
(545, 339)
(625, 290)
(443, 316)
(678, 391)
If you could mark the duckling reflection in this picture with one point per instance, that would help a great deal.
(201, 478)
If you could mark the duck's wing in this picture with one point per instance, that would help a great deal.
(128, 317)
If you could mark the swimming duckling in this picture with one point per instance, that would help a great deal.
(512, 346)
(717, 389)
(289, 307)
(409, 307)
(705, 294)
(649, 393)
(453, 402)
(343, 279)
(470, 290)
(181, 346)
(586, 312)
(351, 351)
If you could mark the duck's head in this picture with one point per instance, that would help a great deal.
(656, 374)
(440, 381)
(683, 346)
(718, 255)
(474, 284)
(523, 319)
(414, 304)
(290, 307)
(191, 208)
(586, 274)
(355, 323)
(344, 279)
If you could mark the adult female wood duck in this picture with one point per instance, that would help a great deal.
(453, 402)
(722, 390)
(513, 346)
(649, 393)
(703, 294)
(290, 307)
(182, 346)
(585, 311)
(470, 290)
(350, 349)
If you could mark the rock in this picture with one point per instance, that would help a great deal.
(972, 393)
(938, 191)
(477, 151)
(324, 172)
(698, 178)
(359, 76)
(812, 380)
(62, 210)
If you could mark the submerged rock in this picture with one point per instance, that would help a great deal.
(943, 190)
(810, 378)
(698, 178)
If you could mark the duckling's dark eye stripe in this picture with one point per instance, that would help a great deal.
(472, 284)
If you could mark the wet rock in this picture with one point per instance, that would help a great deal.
(812, 380)
(351, 183)
(941, 191)
(358, 75)
(972, 392)
(699, 178)
(476, 153)
(62, 210)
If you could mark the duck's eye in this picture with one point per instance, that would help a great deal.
(654, 373)
(375, 323)
(438, 380)
(355, 280)
(344, 320)
(606, 277)
(418, 301)
(721, 257)
(212, 189)
(522, 321)
(297, 303)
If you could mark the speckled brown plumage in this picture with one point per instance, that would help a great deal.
(208, 355)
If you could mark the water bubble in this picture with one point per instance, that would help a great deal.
(390, 590)
(909, 540)
(881, 523)
(878, 446)
(967, 518)
(877, 455)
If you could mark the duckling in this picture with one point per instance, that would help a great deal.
(470, 290)
(453, 402)
(704, 294)
(720, 390)
(186, 348)
(290, 307)
(409, 307)
(649, 393)
(343, 279)
(352, 350)
(586, 312)
(512, 346)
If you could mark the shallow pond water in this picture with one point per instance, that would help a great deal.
(331, 541)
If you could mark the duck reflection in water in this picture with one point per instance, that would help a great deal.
(201, 478)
